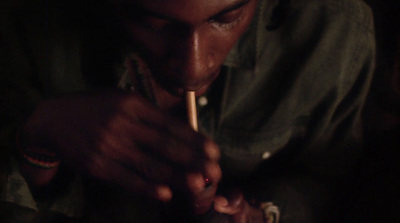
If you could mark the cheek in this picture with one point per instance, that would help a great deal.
(221, 44)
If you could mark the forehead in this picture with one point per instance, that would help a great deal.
(184, 10)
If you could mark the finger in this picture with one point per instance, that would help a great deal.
(234, 204)
(118, 147)
(115, 143)
(138, 185)
(158, 142)
(231, 204)
(108, 170)
(212, 172)
(221, 205)
(202, 201)
(197, 182)
(178, 151)
(176, 141)
(151, 116)
(184, 154)
(221, 201)
(149, 167)
(188, 148)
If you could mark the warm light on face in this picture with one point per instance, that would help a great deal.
(185, 41)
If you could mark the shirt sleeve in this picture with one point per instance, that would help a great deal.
(20, 92)
(18, 98)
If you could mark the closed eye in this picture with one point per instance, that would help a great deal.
(228, 17)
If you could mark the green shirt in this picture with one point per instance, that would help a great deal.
(285, 111)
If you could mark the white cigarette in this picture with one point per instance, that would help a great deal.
(191, 109)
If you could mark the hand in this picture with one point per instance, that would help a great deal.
(234, 204)
(123, 139)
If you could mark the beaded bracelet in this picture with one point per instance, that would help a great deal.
(40, 160)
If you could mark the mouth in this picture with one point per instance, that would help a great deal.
(180, 91)
(179, 87)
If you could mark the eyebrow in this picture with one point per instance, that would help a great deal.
(140, 9)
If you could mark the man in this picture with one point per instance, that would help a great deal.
(282, 84)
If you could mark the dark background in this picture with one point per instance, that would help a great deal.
(377, 191)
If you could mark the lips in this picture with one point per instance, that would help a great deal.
(179, 91)
(177, 87)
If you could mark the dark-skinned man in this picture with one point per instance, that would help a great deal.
(280, 85)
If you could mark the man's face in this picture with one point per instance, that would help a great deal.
(185, 42)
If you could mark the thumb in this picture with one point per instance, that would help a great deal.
(230, 204)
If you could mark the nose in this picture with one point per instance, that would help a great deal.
(192, 59)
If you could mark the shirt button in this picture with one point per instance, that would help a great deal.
(202, 101)
(266, 155)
